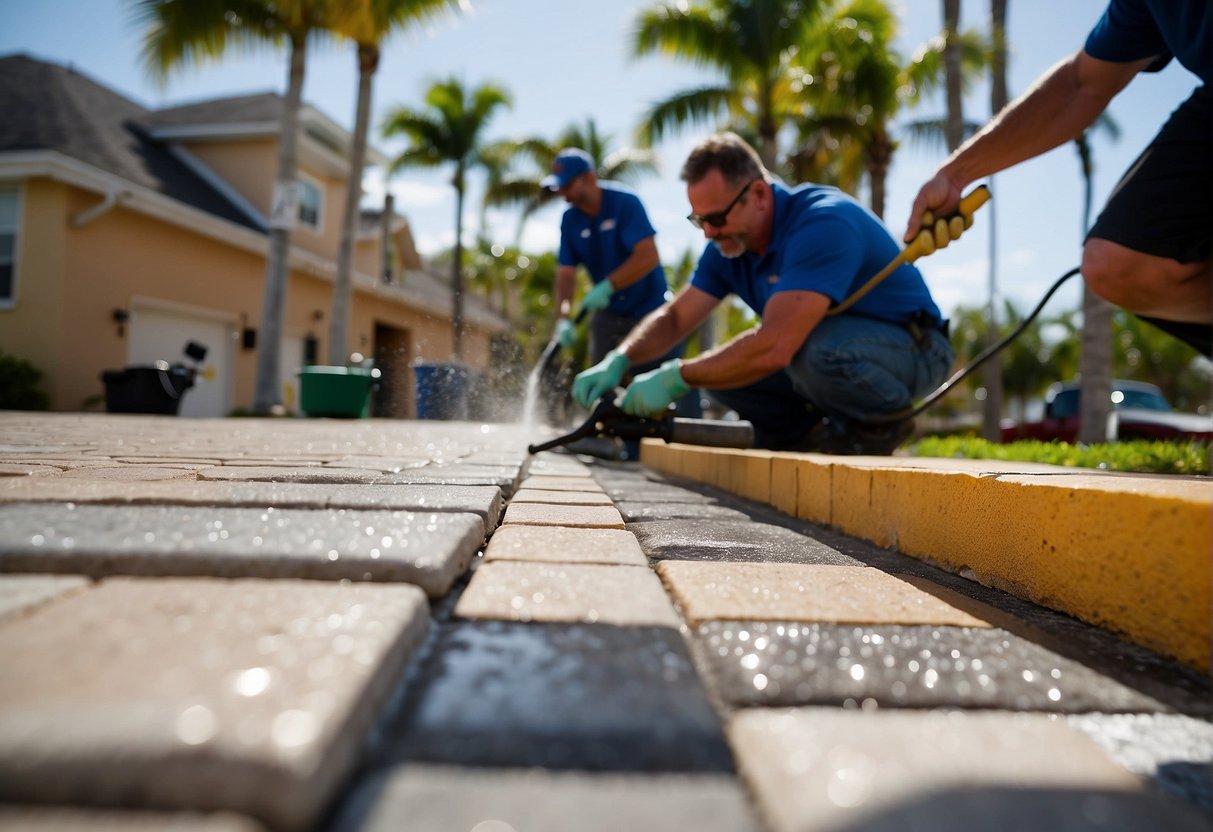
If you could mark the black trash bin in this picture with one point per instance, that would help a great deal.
(147, 389)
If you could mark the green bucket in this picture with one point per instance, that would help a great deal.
(339, 392)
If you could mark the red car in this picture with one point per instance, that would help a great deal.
(1139, 411)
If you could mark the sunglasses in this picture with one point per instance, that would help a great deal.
(719, 219)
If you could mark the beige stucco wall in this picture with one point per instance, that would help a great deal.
(31, 330)
(70, 279)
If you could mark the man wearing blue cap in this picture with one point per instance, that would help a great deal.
(606, 230)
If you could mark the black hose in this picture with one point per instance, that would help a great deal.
(964, 372)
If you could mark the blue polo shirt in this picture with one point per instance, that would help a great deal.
(822, 241)
(601, 243)
(1131, 30)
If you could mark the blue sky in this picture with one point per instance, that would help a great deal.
(568, 60)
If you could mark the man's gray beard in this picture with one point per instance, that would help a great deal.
(733, 255)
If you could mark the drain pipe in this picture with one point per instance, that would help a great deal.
(112, 197)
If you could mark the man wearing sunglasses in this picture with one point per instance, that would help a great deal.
(806, 380)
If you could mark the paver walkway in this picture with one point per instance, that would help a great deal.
(370, 625)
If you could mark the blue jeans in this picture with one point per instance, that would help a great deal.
(848, 367)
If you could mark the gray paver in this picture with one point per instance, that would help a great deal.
(818, 768)
(248, 696)
(591, 697)
(785, 663)
(19, 593)
(478, 499)
(553, 483)
(732, 540)
(556, 544)
(636, 511)
(269, 473)
(442, 799)
(430, 550)
(521, 591)
(128, 473)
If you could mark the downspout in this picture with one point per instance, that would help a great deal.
(112, 197)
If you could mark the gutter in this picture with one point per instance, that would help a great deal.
(113, 196)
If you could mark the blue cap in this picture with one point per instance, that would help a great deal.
(567, 166)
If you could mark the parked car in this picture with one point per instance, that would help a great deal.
(1139, 411)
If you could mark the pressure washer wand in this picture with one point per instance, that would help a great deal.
(609, 420)
(553, 347)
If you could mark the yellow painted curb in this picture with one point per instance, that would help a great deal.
(1130, 553)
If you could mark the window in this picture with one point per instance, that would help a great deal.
(311, 204)
(9, 213)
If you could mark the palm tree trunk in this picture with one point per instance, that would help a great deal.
(954, 127)
(283, 216)
(457, 270)
(339, 313)
(991, 410)
(1095, 360)
(880, 156)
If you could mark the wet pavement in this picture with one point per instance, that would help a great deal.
(372, 625)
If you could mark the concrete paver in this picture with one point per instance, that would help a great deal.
(637, 511)
(548, 514)
(732, 540)
(441, 799)
(777, 664)
(834, 769)
(805, 593)
(430, 550)
(137, 691)
(545, 482)
(557, 544)
(483, 500)
(566, 697)
(569, 498)
(283, 473)
(19, 593)
(48, 819)
(520, 591)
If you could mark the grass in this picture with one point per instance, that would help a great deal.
(1141, 456)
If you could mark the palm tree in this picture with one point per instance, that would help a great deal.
(623, 165)
(750, 41)
(450, 129)
(367, 23)
(1095, 369)
(951, 61)
(182, 31)
(993, 376)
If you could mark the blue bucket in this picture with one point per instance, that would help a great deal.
(441, 391)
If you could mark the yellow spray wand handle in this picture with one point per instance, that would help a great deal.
(935, 234)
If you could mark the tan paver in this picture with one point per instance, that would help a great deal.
(53, 819)
(558, 465)
(19, 593)
(546, 514)
(568, 498)
(248, 696)
(733, 591)
(566, 592)
(128, 473)
(436, 799)
(428, 549)
(835, 769)
(310, 473)
(547, 483)
(13, 469)
(556, 544)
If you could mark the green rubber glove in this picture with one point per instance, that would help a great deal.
(599, 297)
(565, 333)
(651, 392)
(591, 384)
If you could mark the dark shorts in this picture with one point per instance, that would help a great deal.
(1163, 205)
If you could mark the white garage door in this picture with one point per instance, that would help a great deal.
(155, 333)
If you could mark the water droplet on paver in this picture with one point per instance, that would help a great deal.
(386, 542)
(1029, 676)
(493, 825)
(333, 554)
(760, 681)
(857, 672)
(913, 665)
(293, 728)
(749, 661)
(930, 677)
(196, 725)
(1055, 673)
(1054, 695)
(252, 682)
(37, 540)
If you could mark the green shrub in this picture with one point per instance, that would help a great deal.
(1141, 456)
(19, 385)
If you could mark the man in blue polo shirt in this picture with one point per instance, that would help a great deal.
(807, 381)
(1149, 251)
(606, 230)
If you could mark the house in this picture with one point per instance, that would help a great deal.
(126, 232)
